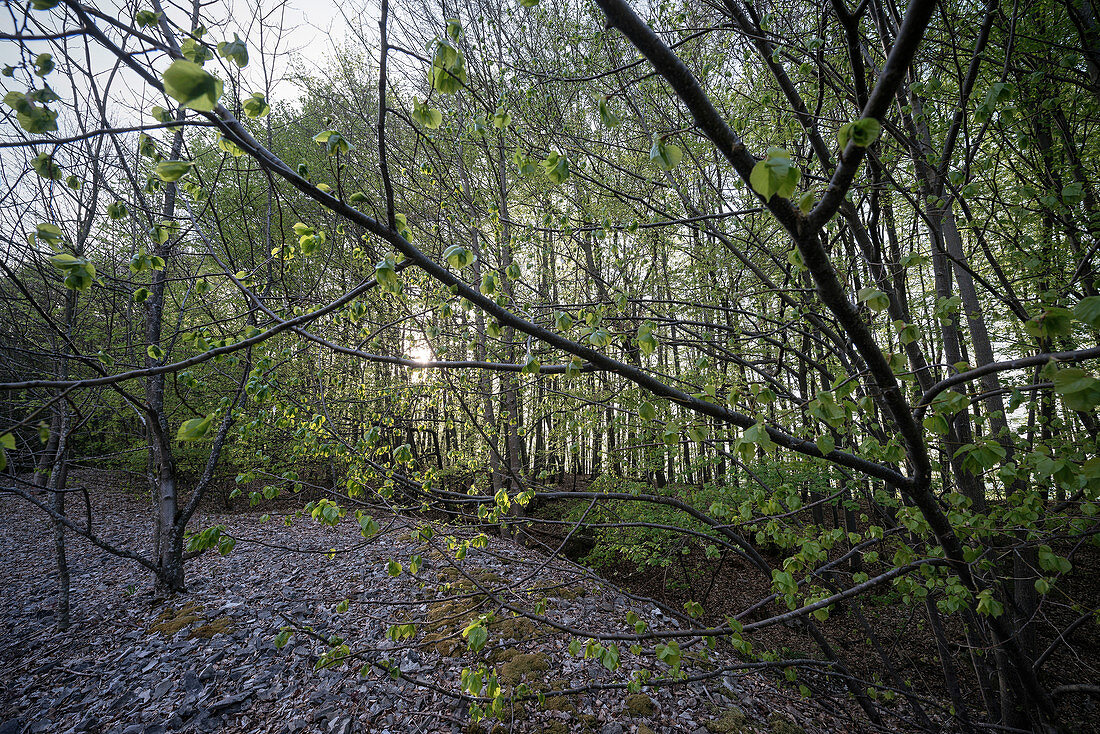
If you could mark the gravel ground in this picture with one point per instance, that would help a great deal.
(207, 661)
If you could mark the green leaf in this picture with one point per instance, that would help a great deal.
(51, 233)
(608, 116)
(989, 606)
(228, 146)
(1079, 389)
(668, 654)
(43, 64)
(529, 3)
(862, 132)
(775, 175)
(234, 50)
(1087, 311)
(459, 256)
(489, 283)
(646, 341)
(117, 210)
(428, 117)
(448, 70)
(556, 167)
(758, 435)
(386, 275)
(44, 166)
(393, 568)
(403, 228)
(154, 352)
(1051, 324)
(173, 170)
(936, 424)
(665, 155)
(367, 526)
(501, 118)
(647, 412)
(875, 299)
(333, 141)
(194, 50)
(806, 202)
(194, 429)
(79, 272)
(531, 366)
(44, 4)
(31, 117)
(949, 402)
(476, 636)
(192, 86)
(146, 18)
(256, 105)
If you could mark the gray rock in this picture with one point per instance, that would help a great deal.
(207, 673)
(209, 724)
(340, 726)
(612, 728)
(295, 726)
(191, 682)
(11, 726)
(230, 702)
(324, 714)
(134, 729)
(88, 723)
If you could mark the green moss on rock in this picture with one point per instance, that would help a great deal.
(218, 626)
(517, 665)
(732, 721)
(639, 704)
(172, 620)
(781, 725)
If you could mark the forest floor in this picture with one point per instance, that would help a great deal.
(206, 660)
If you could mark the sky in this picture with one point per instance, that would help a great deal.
(318, 26)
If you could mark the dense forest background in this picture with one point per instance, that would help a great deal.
(785, 313)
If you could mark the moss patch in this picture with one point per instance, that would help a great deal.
(172, 621)
(522, 664)
(643, 729)
(513, 628)
(449, 646)
(218, 626)
(781, 725)
(639, 704)
(732, 721)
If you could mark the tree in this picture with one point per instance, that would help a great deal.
(660, 268)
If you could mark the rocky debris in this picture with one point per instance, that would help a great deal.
(207, 661)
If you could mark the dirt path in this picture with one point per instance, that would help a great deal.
(207, 662)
